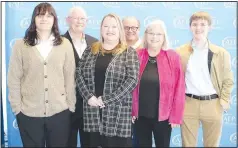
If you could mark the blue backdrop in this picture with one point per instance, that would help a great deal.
(176, 16)
(2, 127)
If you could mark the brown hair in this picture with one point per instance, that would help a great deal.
(31, 34)
(201, 15)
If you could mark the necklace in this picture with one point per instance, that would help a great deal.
(152, 60)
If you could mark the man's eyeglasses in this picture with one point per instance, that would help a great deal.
(79, 18)
(133, 28)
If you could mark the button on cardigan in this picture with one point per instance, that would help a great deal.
(41, 87)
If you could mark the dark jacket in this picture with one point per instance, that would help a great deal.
(79, 102)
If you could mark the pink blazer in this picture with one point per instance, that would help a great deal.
(172, 86)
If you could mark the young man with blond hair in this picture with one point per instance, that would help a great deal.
(209, 82)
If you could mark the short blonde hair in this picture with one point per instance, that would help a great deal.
(201, 15)
(160, 23)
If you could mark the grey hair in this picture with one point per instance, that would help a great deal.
(165, 45)
(77, 8)
(131, 17)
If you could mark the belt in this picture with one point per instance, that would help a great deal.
(208, 97)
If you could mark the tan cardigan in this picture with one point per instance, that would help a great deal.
(221, 73)
(38, 87)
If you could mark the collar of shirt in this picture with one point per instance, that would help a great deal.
(49, 41)
(199, 49)
(137, 44)
(77, 40)
(79, 44)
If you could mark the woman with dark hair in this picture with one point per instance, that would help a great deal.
(41, 81)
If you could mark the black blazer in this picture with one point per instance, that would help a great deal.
(79, 100)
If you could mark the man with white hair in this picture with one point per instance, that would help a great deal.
(132, 29)
(77, 21)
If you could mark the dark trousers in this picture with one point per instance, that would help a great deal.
(144, 127)
(77, 126)
(97, 140)
(44, 131)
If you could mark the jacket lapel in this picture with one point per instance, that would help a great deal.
(143, 62)
(185, 57)
(76, 56)
(210, 55)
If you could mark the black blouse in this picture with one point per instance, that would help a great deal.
(149, 90)
(100, 71)
(102, 63)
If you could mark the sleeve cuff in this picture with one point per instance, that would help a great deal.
(72, 109)
(225, 104)
(17, 112)
(175, 121)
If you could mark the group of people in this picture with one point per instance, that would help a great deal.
(118, 86)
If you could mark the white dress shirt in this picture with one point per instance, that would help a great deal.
(197, 76)
(137, 44)
(79, 44)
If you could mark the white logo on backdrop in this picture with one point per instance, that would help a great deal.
(174, 43)
(15, 5)
(234, 62)
(176, 140)
(25, 22)
(230, 4)
(37, 3)
(111, 4)
(79, 3)
(229, 119)
(149, 19)
(203, 5)
(235, 86)
(12, 42)
(233, 138)
(229, 42)
(234, 100)
(93, 22)
(171, 5)
(215, 23)
(181, 22)
(62, 22)
(14, 124)
(140, 4)
(235, 23)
